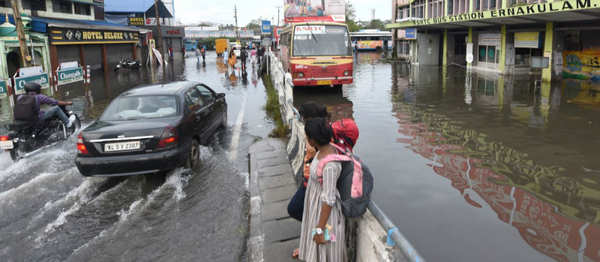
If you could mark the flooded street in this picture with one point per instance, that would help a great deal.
(473, 167)
(52, 213)
(470, 167)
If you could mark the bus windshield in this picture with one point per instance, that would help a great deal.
(321, 40)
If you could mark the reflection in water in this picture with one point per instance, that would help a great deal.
(338, 106)
(546, 194)
(101, 91)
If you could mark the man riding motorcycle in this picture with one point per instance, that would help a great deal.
(27, 107)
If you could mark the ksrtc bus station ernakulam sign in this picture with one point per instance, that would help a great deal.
(515, 11)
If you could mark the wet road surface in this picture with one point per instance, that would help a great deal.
(473, 167)
(51, 213)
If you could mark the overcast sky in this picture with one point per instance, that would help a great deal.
(221, 11)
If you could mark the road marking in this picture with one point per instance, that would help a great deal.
(237, 130)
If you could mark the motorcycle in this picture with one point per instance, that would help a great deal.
(127, 63)
(26, 138)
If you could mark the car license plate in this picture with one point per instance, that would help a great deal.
(6, 145)
(324, 82)
(123, 146)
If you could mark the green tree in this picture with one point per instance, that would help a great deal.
(254, 25)
(376, 24)
(351, 18)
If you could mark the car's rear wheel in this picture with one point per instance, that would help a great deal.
(193, 155)
(224, 121)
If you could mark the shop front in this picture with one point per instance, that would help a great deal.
(98, 44)
(11, 63)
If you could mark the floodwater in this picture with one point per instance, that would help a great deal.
(476, 167)
(52, 213)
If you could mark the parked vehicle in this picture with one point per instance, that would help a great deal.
(25, 138)
(221, 46)
(127, 63)
(151, 129)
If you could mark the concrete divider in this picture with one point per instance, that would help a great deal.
(377, 238)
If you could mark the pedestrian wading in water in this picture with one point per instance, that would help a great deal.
(322, 236)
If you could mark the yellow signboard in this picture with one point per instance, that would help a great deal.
(583, 65)
(524, 10)
(527, 40)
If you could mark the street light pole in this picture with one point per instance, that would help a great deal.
(25, 58)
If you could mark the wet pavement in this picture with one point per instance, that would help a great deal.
(473, 167)
(51, 213)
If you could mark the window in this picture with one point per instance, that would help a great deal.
(82, 9)
(321, 40)
(450, 7)
(34, 5)
(206, 95)
(418, 7)
(140, 107)
(193, 99)
(4, 3)
(62, 6)
(404, 47)
(488, 54)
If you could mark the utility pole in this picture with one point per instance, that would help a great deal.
(278, 9)
(25, 58)
(160, 39)
(235, 15)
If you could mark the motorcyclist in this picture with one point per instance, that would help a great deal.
(27, 106)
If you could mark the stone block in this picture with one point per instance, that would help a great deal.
(278, 194)
(275, 210)
(280, 230)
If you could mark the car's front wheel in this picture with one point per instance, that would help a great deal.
(193, 155)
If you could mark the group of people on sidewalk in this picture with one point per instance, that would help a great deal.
(317, 202)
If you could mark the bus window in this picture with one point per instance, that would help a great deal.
(321, 40)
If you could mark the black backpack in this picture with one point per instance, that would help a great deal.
(26, 108)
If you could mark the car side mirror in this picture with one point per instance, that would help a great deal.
(220, 95)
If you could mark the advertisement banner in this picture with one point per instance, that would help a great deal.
(3, 89)
(407, 34)
(70, 75)
(369, 44)
(265, 27)
(583, 65)
(135, 21)
(527, 40)
(20, 82)
(326, 10)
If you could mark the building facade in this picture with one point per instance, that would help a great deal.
(559, 38)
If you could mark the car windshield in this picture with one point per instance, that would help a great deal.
(321, 40)
(140, 107)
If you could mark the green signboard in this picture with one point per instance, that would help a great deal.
(3, 89)
(514, 11)
(20, 82)
(69, 76)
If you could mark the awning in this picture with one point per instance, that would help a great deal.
(41, 25)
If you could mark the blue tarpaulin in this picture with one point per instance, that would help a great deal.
(40, 24)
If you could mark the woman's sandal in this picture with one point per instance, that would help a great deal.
(296, 253)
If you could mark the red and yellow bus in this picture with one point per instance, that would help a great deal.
(317, 53)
